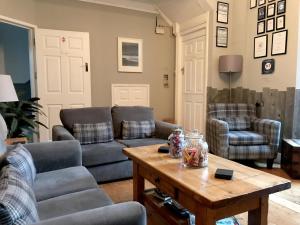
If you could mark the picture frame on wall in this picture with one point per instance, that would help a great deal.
(268, 66)
(261, 46)
(261, 27)
(222, 12)
(271, 0)
(261, 2)
(253, 4)
(130, 55)
(281, 7)
(270, 25)
(261, 14)
(271, 10)
(280, 22)
(279, 43)
(222, 37)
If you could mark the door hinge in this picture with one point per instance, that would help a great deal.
(86, 67)
(34, 42)
(182, 70)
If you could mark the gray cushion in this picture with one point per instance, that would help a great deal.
(129, 113)
(102, 153)
(20, 158)
(69, 117)
(17, 199)
(246, 138)
(72, 203)
(138, 129)
(142, 142)
(59, 182)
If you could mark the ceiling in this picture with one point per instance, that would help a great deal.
(175, 10)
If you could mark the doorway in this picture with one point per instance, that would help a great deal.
(16, 58)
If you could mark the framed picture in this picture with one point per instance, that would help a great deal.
(260, 46)
(222, 12)
(279, 42)
(268, 66)
(281, 7)
(222, 37)
(130, 55)
(253, 4)
(271, 10)
(280, 22)
(261, 13)
(270, 24)
(261, 2)
(271, 0)
(261, 28)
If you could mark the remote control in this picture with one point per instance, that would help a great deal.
(161, 196)
(177, 209)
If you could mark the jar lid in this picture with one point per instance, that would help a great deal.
(194, 135)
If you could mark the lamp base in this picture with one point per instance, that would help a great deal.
(3, 135)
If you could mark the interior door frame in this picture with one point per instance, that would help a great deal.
(191, 26)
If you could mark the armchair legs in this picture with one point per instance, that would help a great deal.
(270, 163)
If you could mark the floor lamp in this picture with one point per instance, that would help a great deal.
(230, 64)
(7, 94)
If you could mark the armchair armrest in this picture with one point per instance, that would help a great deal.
(48, 156)
(59, 133)
(217, 137)
(270, 128)
(131, 213)
(164, 129)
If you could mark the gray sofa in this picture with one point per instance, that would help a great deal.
(106, 160)
(67, 193)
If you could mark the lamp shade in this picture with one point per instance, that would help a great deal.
(7, 89)
(230, 63)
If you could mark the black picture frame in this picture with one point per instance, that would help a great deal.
(281, 7)
(261, 13)
(268, 66)
(253, 4)
(269, 13)
(283, 22)
(269, 21)
(285, 42)
(259, 25)
(261, 2)
(265, 46)
(218, 42)
(226, 13)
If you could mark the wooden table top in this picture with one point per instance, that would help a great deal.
(201, 183)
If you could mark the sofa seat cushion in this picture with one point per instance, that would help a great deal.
(250, 152)
(142, 142)
(246, 138)
(72, 203)
(102, 153)
(59, 182)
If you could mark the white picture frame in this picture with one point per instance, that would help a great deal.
(260, 46)
(130, 55)
(279, 43)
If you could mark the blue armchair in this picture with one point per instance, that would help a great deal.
(234, 132)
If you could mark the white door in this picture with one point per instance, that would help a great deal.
(194, 81)
(63, 74)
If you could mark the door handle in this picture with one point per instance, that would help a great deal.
(86, 67)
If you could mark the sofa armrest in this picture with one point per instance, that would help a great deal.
(217, 137)
(164, 129)
(130, 213)
(59, 133)
(270, 128)
(48, 156)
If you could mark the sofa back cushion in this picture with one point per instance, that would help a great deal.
(17, 200)
(238, 123)
(138, 129)
(93, 133)
(20, 158)
(88, 115)
(221, 110)
(129, 113)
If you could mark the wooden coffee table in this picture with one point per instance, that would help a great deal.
(197, 190)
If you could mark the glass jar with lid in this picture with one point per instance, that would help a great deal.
(176, 140)
(195, 152)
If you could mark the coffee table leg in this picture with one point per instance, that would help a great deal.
(259, 216)
(205, 216)
(138, 184)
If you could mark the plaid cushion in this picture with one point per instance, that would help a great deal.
(17, 200)
(93, 133)
(238, 123)
(138, 129)
(231, 110)
(250, 152)
(21, 159)
(246, 138)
